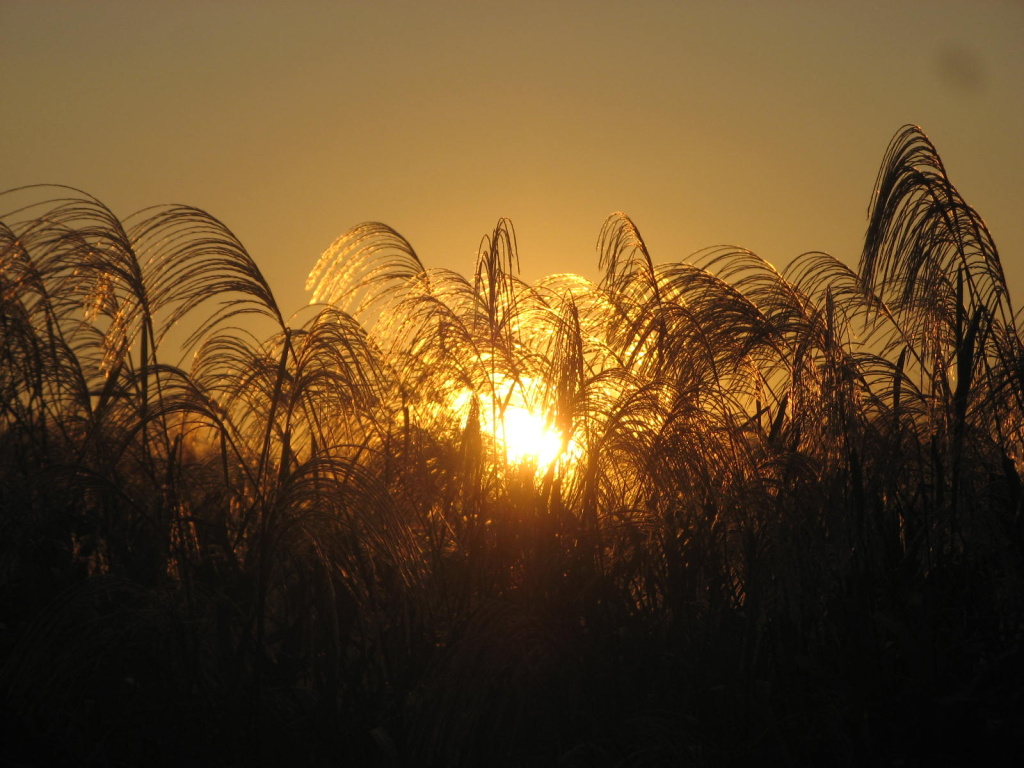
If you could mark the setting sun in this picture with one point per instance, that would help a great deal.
(527, 438)
(521, 431)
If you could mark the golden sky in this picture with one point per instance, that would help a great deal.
(758, 124)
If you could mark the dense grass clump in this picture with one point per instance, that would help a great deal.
(779, 518)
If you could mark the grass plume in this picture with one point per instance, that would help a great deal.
(782, 520)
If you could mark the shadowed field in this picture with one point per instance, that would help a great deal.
(700, 513)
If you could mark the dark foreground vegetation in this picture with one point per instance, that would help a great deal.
(785, 526)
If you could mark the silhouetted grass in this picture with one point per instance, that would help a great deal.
(785, 525)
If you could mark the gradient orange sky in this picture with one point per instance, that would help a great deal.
(758, 124)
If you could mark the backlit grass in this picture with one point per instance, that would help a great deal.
(709, 512)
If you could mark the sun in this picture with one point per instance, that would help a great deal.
(527, 437)
(522, 433)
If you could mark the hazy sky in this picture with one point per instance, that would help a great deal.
(759, 124)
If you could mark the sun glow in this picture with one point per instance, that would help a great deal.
(527, 438)
(523, 433)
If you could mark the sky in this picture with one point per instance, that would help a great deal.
(755, 124)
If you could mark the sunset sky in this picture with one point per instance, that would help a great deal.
(758, 124)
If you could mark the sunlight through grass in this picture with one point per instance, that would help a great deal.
(463, 513)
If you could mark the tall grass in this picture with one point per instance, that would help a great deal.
(784, 524)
